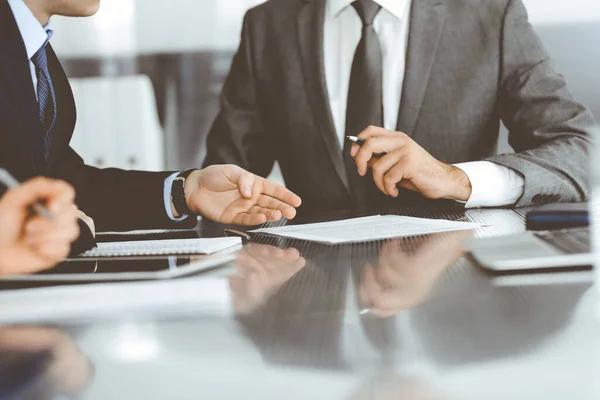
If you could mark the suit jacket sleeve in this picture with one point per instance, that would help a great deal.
(118, 200)
(549, 130)
(238, 135)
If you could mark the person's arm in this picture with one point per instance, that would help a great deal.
(118, 200)
(128, 200)
(492, 185)
(238, 134)
(29, 243)
(549, 130)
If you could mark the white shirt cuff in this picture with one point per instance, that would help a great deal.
(167, 197)
(493, 185)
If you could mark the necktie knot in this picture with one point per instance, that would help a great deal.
(39, 59)
(367, 11)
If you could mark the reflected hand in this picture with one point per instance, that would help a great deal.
(261, 270)
(402, 280)
(70, 370)
(408, 165)
(32, 243)
(230, 195)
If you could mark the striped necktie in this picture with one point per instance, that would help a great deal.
(46, 96)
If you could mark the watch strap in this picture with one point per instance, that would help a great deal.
(178, 193)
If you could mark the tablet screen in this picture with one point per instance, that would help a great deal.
(110, 266)
(130, 269)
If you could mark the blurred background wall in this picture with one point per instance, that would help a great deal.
(185, 48)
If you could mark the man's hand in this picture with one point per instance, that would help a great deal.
(261, 270)
(32, 243)
(403, 280)
(69, 370)
(408, 165)
(227, 194)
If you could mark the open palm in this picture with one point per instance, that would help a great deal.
(231, 195)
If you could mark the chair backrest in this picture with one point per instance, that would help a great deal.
(117, 123)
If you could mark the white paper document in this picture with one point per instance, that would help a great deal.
(162, 247)
(367, 229)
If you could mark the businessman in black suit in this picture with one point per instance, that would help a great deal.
(37, 117)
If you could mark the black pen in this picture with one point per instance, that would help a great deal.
(360, 142)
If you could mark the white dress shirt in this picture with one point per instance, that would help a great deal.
(493, 185)
(35, 36)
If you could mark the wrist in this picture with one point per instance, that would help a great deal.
(181, 190)
(461, 188)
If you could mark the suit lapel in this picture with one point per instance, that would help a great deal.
(18, 81)
(310, 34)
(427, 19)
(66, 115)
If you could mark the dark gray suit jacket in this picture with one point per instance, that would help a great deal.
(470, 65)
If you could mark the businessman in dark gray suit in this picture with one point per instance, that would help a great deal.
(434, 79)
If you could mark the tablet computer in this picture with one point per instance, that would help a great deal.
(124, 269)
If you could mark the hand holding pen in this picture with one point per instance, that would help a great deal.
(397, 161)
(30, 242)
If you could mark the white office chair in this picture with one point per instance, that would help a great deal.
(117, 123)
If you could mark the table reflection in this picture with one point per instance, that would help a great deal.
(50, 363)
(402, 279)
(261, 270)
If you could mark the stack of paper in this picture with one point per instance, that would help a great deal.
(367, 229)
(162, 247)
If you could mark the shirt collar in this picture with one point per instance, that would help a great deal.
(398, 8)
(33, 34)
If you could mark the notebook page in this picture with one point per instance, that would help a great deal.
(162, 247)
(367, 229)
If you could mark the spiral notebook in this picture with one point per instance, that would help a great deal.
(163, 247)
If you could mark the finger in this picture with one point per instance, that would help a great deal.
(272, 203)
(67, 234)
(67, 220)
(381, 167)
(393, 177)
(272, 215)
(54, 252)
(373, 131)
(291, 254)
(40, 189)
(369, 288)
(406, 184)
(277, 191)
(245, 183)
(372, 146)
(270, 252)
(300, 263)
(63, 196)
(354, 150)
(249, 219)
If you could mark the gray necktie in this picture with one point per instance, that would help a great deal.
(365, 94)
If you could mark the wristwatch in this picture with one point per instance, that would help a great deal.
(178, 193)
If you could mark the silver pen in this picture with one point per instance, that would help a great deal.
(10, 182)
(360, 142)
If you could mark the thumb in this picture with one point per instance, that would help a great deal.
(245, 183)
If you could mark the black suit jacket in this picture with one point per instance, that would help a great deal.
(470, 64)
(115, 199)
